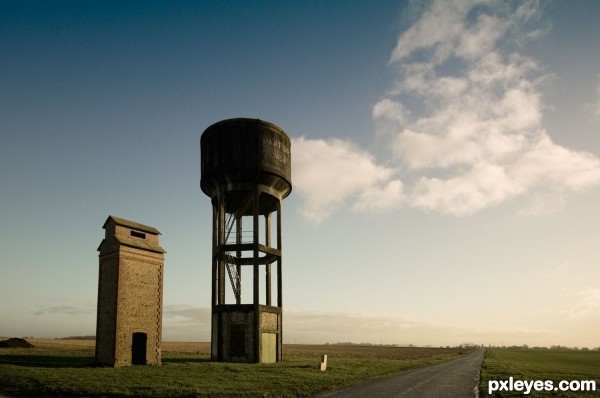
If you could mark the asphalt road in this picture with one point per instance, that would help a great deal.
(453, 379)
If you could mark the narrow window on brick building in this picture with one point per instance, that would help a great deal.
(137, 234)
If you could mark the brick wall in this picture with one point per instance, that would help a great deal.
(140, 302)
(107, 304)
(130, 288)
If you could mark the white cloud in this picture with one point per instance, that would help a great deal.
(390, 328)
(377, 198)
(480, 140)
(564, 267)
(483, 185)
(186, 323)
(192, 323)
(331, 173)
(357, 327)
(63, 310)
(387, 109)
(446, 18)
(546, 163)
(588, 304)
(463, 124)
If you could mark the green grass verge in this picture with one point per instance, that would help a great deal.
(51, 373)
(532, 365)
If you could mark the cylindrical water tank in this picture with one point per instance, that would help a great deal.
(239, 153)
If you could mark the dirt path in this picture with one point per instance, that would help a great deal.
(454, 379)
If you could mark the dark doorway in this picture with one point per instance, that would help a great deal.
(237, 340)
(138, 348)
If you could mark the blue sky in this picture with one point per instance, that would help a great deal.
(446, 168)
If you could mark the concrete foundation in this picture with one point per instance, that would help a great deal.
(246, 333)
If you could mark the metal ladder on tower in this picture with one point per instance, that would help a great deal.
(230, 260)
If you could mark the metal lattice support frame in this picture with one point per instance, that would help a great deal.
(228, 260)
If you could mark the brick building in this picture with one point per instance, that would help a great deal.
(130, 289)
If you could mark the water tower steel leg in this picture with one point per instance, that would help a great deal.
(221, 242)
(255, 264)
(279, 285)
(256, 297)
(214, 258)
(215, 322)
(268, 266)
(279, 268)
(238, 240)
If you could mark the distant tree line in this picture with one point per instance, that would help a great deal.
(551, 348)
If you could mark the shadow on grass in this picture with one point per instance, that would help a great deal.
(63, 361)
(47, 361)
(185, 360)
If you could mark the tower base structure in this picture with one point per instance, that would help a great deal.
(247, 333)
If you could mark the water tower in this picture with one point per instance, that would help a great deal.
(246, 171)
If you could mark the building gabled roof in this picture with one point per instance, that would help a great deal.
(135, 243)
(132, 224)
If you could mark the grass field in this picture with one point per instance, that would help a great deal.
(65, 368)
(531, 365)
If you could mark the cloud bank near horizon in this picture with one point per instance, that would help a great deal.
(462, 122)
(191, 323)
